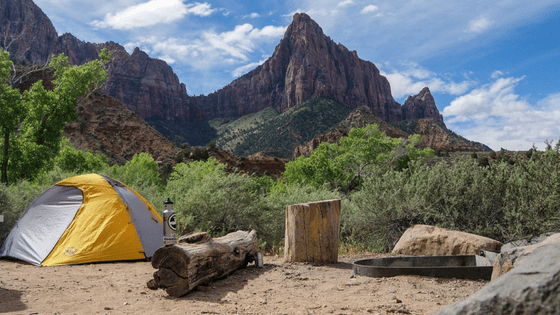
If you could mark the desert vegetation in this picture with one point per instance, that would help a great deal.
(386, 185)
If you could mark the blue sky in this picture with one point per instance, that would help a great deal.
(492, 66)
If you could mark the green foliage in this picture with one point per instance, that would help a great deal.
(141, 169)
(270, 131)
(498, 201)
(32, 121)
(206, 198)
(344, 165)
(71, 159)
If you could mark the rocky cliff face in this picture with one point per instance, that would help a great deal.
(27, 33)
(422, 106)
(145, 85)
(306, 63)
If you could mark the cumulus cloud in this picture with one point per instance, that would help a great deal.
(152, 13)
(494, 99)
(369, 9)
(497, 116)
(413, 78)
(211, 49)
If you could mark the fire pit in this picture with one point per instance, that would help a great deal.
(460, 267)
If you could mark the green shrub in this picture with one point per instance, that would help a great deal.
(71, 159)
(208, 199)
(499, 201)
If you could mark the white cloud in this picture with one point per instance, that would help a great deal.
(369, 9)
(254, 15)
(200, 9)
(246, 68)
(498, 117)
(413, 78)
(152, 13)
(495, 99)
(345, 3)
(479, 25)
(496, 74)
(211, 49)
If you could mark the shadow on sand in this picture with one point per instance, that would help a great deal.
(10, 301)
(235, 282)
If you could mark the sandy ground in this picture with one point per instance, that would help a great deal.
(276, 288)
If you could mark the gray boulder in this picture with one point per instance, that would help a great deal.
(532, 287)
(513, 257)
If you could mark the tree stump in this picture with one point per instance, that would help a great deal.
(198, 259)
(312, 232)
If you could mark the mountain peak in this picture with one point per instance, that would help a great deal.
(422, 105)
(302, 21)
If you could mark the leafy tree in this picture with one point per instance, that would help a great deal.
(344, 165)
(32, 120)
(141, 170)
(71, 159)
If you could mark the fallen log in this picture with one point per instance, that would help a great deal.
(198, 259)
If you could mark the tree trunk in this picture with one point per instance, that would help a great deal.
(312, 232)
(198, 259)
(6, 158)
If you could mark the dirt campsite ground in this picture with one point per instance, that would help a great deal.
(276, 288)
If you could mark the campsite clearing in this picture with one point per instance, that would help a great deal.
(277, 288)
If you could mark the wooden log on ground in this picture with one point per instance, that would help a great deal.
(198, 259)
(312, 232)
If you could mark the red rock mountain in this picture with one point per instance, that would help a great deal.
(422, 106)
(306, 63)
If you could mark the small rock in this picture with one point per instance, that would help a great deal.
(107, 308)
(398, 300)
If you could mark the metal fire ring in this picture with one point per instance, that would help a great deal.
(460, 267)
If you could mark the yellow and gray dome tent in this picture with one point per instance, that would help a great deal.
(82, 219)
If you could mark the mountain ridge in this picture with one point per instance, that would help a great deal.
(306, 63)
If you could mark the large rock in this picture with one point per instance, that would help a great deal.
(422, 105)
(513, 257)
(533, 287)
(426, 240)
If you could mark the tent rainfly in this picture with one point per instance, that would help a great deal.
(83, 219)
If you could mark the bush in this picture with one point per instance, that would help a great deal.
(346, 164)
(498, 201)
(208, 199)
(71, 159)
